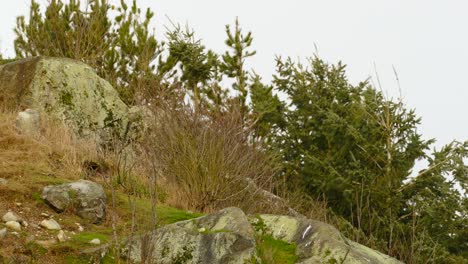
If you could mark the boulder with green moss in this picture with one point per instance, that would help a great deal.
(229, 236)
(317, 242)
(223, 237)
(86, 198)
(65, 89)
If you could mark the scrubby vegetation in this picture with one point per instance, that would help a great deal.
(335, 151)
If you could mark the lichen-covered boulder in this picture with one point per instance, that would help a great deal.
(223, 237)
(317, 242)
(86, 198)
(64, 89)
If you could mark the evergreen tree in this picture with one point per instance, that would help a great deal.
(345, 142)
(437, 201)
(234, 62)
(197, 65)
(267, 110)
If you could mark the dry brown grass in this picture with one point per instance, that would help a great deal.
(54, 152)
(29, 164)
(56, 156)
(316, 209)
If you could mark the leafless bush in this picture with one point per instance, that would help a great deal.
(204, 160)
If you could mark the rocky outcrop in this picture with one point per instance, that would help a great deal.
(317, 242)
(223, 237)
(229, 236)
(86, 198)
(65, 89)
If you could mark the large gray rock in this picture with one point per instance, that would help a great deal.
(223, 237)
(86, 198)
(65, 89)
(229, 237)
(318, 242)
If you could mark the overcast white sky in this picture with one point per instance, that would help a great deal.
(425, 40)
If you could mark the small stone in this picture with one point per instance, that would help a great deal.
(46, 243)
(201, 230)
(80, 228)
(19, 204)
(45, 214)
(24, 223)
(95, 241)
(3, 232)
(61, 236)
(50, 224)
(13, 225)
(10, 216)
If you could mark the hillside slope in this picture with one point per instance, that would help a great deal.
(42, 226)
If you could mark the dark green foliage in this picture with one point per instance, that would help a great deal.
(267, 109)
(337, 138)
(436, 206)
(197, 66)
(351, 146)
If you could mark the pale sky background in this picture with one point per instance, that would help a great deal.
(425, 40)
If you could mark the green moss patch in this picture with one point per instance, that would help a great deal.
(274, 251)
(169, 215)
(165, 214)
(67, 98)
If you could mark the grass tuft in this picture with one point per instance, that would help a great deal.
(274, 251)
